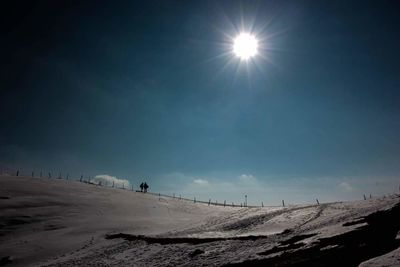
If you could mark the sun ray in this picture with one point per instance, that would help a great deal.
(236, 73)
(243, 58)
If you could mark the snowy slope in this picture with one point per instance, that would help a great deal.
(52, 222)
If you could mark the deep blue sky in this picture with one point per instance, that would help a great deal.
(150, 90)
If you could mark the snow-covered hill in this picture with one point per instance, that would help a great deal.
(57, 222)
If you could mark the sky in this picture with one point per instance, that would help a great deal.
(151, 90)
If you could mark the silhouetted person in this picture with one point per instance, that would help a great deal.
(141, 187)
(145, 186)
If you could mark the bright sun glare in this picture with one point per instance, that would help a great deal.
(245, 46)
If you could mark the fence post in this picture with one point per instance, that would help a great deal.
(159, 196)
(17, 172)
(233, 205)
(224, 203)
(283, 203)
(245, 202)
(365, 198)
(262, 204)
(49, 175)
(80, 180)
(180, 197)
(113, 184)
(370, 196)
(209, 202)
(317, 201)
(194, 199)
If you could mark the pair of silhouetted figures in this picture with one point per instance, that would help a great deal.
(143, 187)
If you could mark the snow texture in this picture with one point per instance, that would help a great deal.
(53, 222)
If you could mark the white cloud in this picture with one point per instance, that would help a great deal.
(200, 181)
(247, 178)
(345, 187)
(108, 179)
(272, 189)
(210, 187)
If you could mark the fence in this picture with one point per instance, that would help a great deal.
(88, 180)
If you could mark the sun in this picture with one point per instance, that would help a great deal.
(245, 46)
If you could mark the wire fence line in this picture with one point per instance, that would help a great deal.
(117, 185)
(91, 180)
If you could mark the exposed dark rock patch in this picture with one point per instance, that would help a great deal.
(52, 227)
(14, 221)
(286, 232)
(349, 249)
(178, 240)
(5, 260)
(196, 252)
(291, 243)
(359, 221)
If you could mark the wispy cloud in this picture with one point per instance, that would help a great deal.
(345, 186)
(201, 182)
(272, 190)
(247, 178)
(206, 187)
